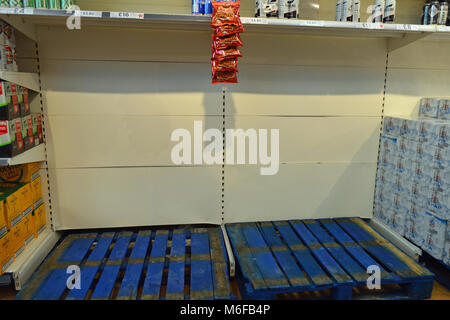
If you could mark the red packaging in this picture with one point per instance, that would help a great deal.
(228, 53)
(227, 30)
(224, 77)
(225, 65)
(228, 41)
(225, 13)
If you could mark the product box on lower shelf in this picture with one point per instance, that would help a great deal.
(6, 255)
(435, 235)
(20, 173)
(3, 224)
(17, 238)
(36, 190)
(11, 142)
(40, 220)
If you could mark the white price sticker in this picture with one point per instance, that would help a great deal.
(312, 23)
(254, 21)
(92, 14)
(443, 28)
(408, 27)
(127, 15)
(377, 26)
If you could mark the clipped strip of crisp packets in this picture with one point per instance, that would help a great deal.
(225, 65)
(224, 77)
(225, 13)
(228, 41)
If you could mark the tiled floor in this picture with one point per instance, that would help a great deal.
(439, 293)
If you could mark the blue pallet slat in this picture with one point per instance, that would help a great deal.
(153, 278)
(287, 263)
(77, 250)
(129, 286)
(303, 256)
(339, 254)
(110, 272)
(333, 268)
(201, 287)
(53, 286)
(92, 264)
(244, 258)
(175, 280)
(273, 276)
(221, 281)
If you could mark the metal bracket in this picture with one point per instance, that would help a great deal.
(396, 239)
(408, 38)
(229, 251)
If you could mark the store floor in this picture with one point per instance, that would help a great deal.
(439, 292)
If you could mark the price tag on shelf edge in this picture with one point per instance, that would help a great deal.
(312, 23)
(254, 21)
(126, 15)
(17, 10)
(376, 25)
(443, 28)
(408, 27)
(90, 14)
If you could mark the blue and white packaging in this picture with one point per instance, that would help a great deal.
(198, 6)
(425, 130)
(409, 129)
(435, 235)
(391, 126)
(446, 258)
(444, 109)
(443, 134)
(415, 228)
(429, 108)
(439, 203)
(399, 221)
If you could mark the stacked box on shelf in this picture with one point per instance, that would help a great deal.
(412, 188)
(23, 210)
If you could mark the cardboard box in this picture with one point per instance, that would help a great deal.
(11, 142)
(40, 220)
(25, 109)
(37, 128)
(3, 223)
(7, 34)
(12, 203)
(17, 238)
(26, 198)
(28, 227)
(10, 101)
(435, 235)
(20, 173)
(8, 60)
(391, 126)
(444, 109)
(36, 190)
(27, 132)
(429, 108)
(6, 256)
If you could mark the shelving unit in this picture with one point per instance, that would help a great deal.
(35, 154)
(25, 79)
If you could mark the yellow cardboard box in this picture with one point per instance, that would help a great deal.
(6, 257)
(28, 227)
(17, 238)
(3, 224)
(40, 220)
(12, 202)
(26, 198)
(36, 189)
(20, 173)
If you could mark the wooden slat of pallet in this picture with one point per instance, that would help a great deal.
(153, 278)
(221, 280)
(91, 267)
(378, 250)
(245, 258)
(333, 268)
(110, 272)
(175, 280)
(53, 286)
(283, 255)
(303, 256)
(339, 254)
(273, 276)
(201, 276)
(353, 248)
(77, 250)
(129, 286)
(389, 246)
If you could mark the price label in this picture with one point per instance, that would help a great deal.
(254, 21)
(408, 27)
(17, 10)
(312, 23)
(126, 15)
(443, 28)
(91, 14)
(377, 26)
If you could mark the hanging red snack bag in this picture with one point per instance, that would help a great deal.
(227, 30)
(229, 41)
(232, 52)
(225, 13)
(225, 65)
(224, 77)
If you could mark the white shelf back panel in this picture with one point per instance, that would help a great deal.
(300, 191)
(117, 197)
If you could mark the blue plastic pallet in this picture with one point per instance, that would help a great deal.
(325, 256)
(160, 264)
